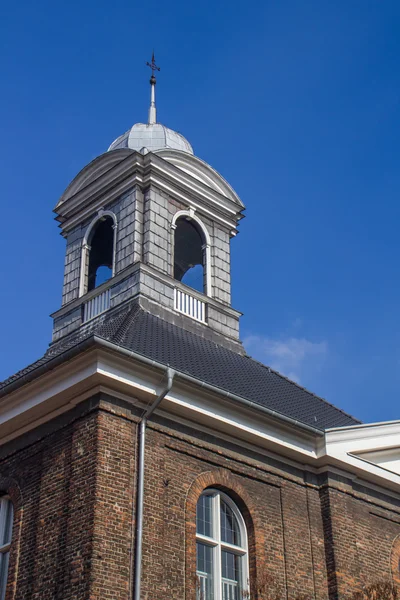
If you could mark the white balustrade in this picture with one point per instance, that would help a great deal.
(95, 306)
(190, 306)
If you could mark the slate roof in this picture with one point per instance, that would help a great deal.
(131, 327)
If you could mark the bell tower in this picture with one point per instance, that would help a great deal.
(151, 223)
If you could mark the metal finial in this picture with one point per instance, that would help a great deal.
(152, 109)
(153, 66)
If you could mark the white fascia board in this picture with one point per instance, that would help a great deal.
(61, 388)
(50, 414)
(365, 470)
(10, 410)
(240, 423)
(58, 388)
(353, 447)
(226, 416)
(363, 438)
(219, 413)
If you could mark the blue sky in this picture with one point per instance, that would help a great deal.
(295, 103)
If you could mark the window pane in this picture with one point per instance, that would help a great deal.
(230, 531)
(8, 515)
(231, 576)
(3, 573)
(205, 589)
(204, 515)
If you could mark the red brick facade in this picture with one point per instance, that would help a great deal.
(72, 483)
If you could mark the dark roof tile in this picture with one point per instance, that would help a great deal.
(130, 327)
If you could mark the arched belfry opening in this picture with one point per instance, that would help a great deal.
(190, 254)
(101, 253)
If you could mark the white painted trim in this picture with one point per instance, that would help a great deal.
(186, 198)
(215, 542)
(79, 200)
(191, 215)
(97, 168)
(202, 171)
(6, 521)
(61, 388)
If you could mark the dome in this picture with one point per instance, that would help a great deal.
(151, 137)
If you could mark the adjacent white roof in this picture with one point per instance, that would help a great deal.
(151, 137)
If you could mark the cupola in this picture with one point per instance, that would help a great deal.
(148, 221)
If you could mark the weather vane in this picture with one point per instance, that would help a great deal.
(152, 110)
(153, 65)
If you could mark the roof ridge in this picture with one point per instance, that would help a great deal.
(130, 316)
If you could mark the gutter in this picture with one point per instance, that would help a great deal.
(92, 341)
(136, 562)
(49, 365)
(212, 388)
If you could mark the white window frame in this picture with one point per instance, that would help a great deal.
(5, 502)
(218, 545)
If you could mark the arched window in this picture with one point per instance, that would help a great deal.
(222, 553)
(6, 524)
(190, 261)
(101, 253)
(98, 253)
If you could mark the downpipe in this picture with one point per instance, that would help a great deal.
(137, 563)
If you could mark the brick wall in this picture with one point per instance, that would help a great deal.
(361, 528)
(72, 490)
(284, 525)
(72, 483)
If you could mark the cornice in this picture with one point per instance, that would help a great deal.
(63, 385)
(188, 181)
(145, 170)
(200, 170)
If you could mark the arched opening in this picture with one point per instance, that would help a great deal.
(221, 548)
(189, 254)
(101, 253)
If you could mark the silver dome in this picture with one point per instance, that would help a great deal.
(151, 137)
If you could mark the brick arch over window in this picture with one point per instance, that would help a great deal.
(10, 487)
(395, 561)
(227, 482)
